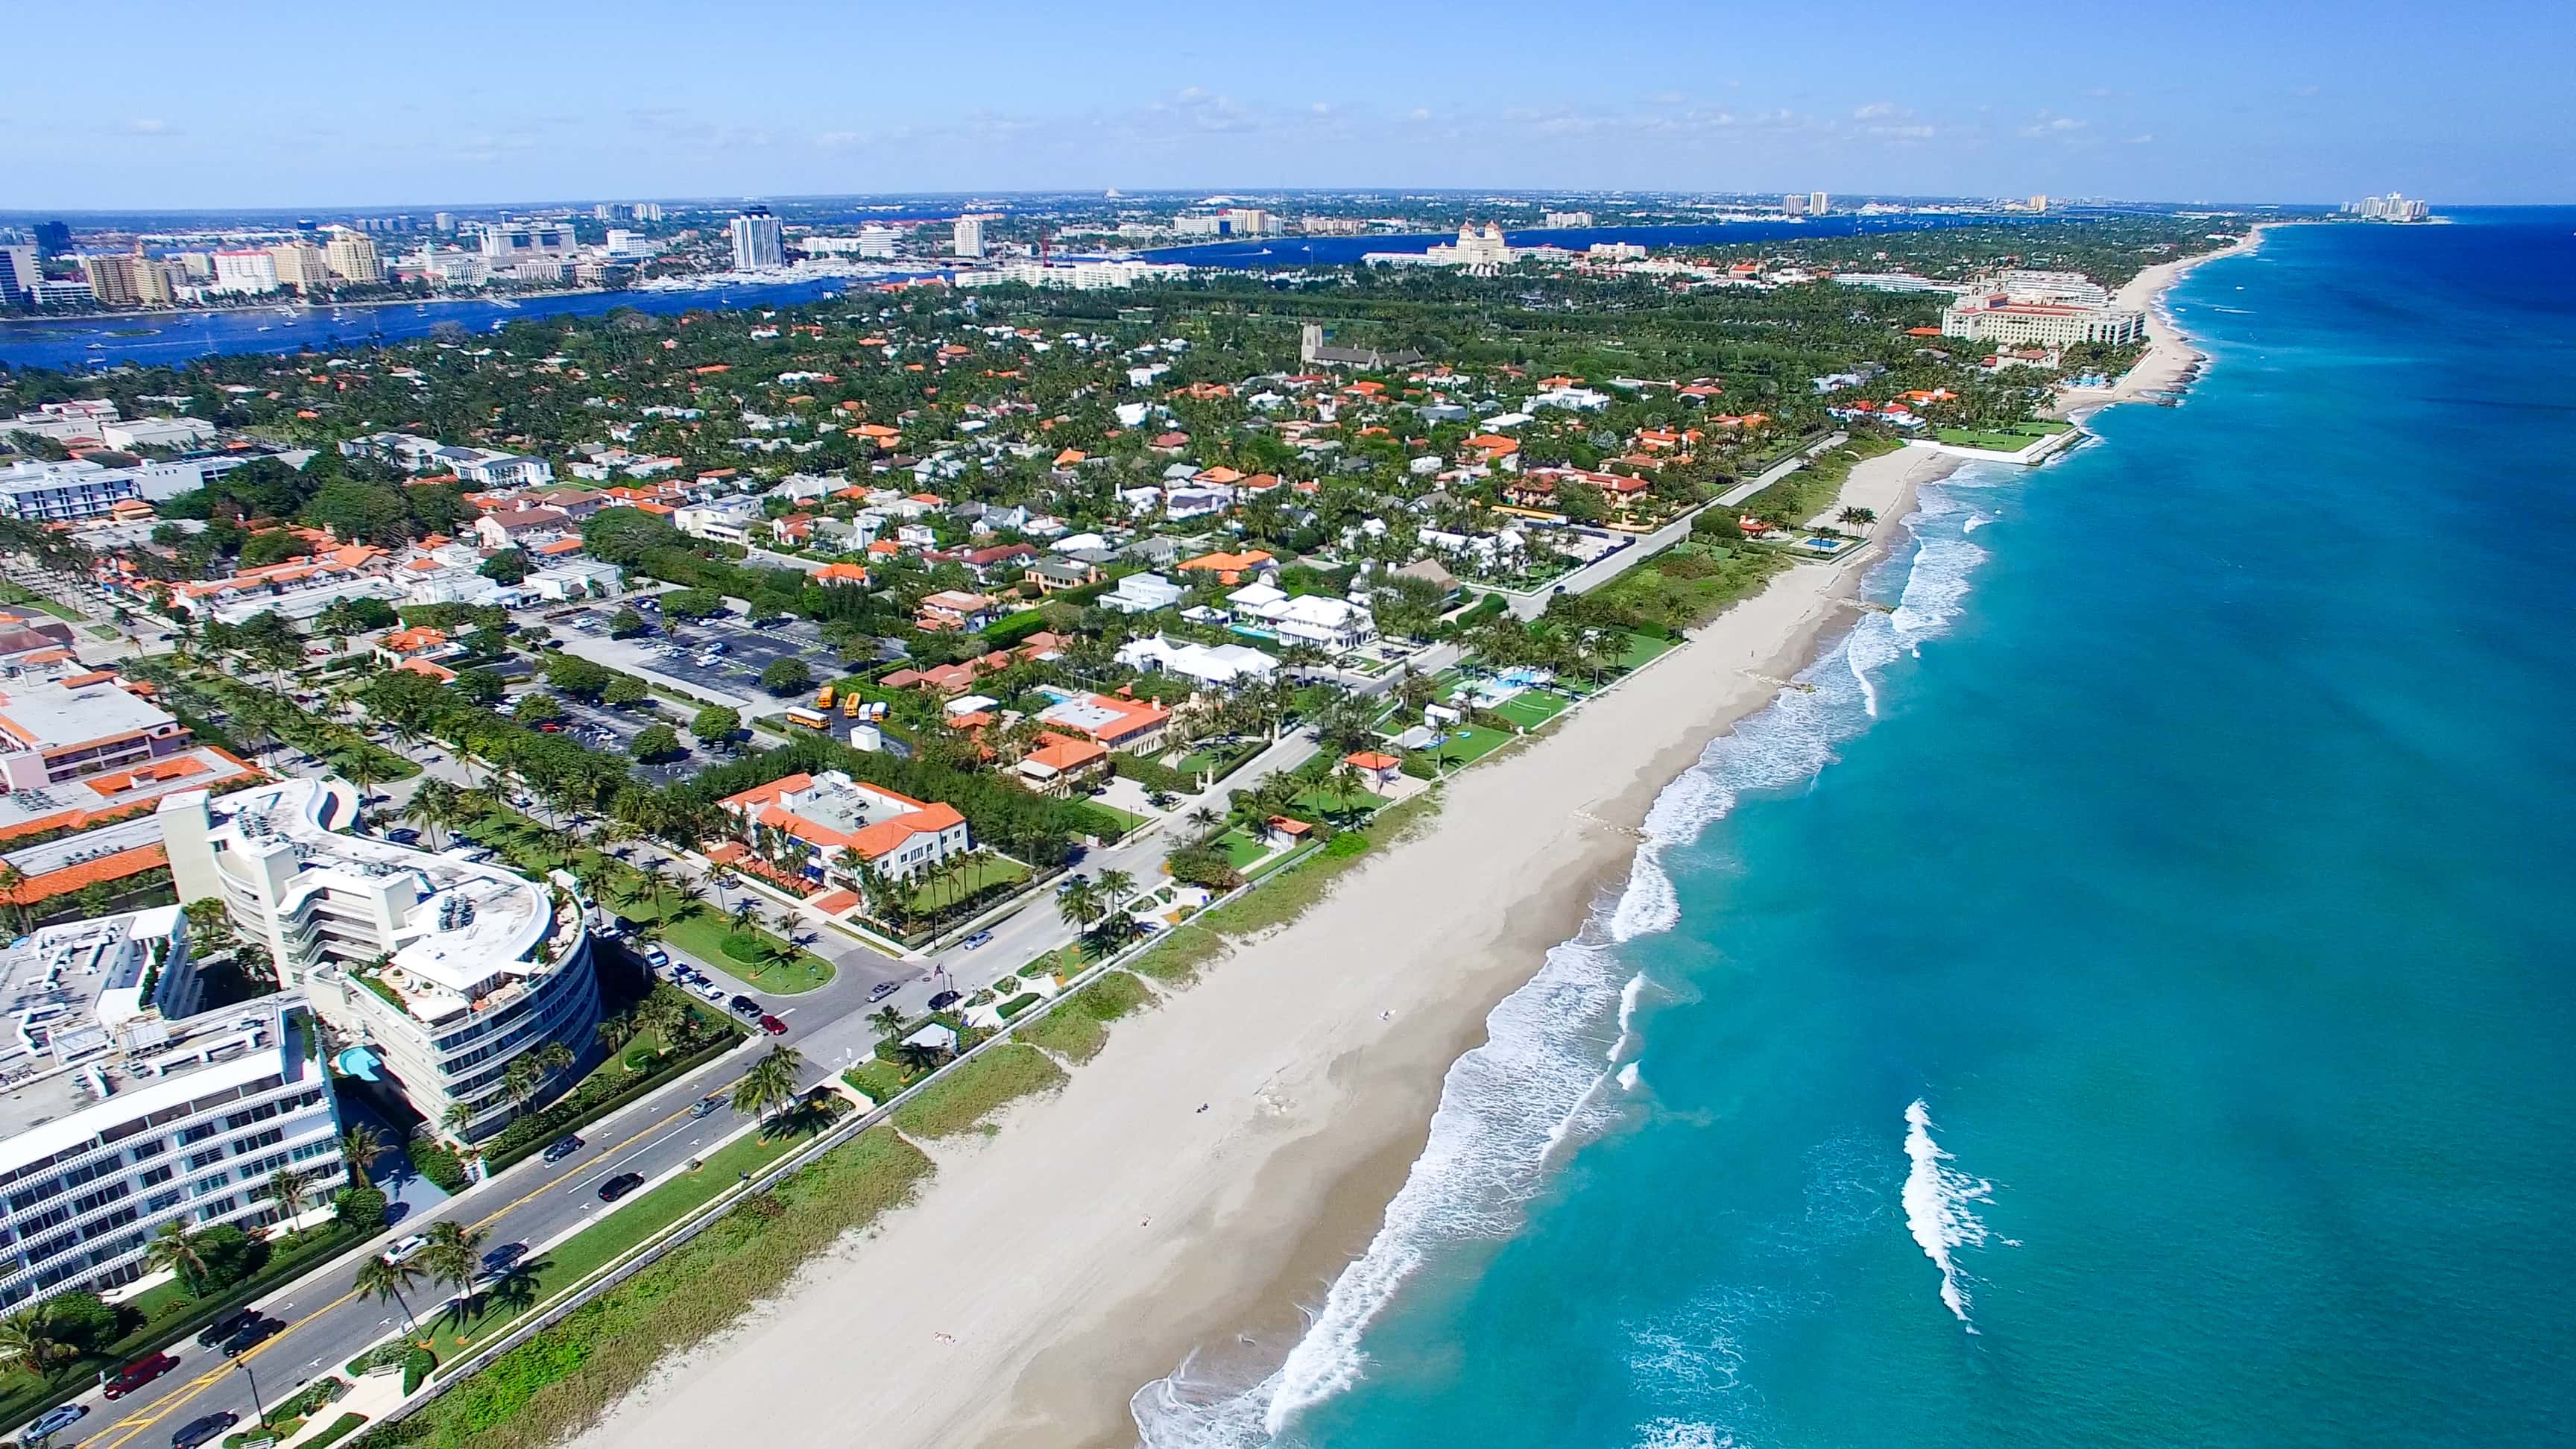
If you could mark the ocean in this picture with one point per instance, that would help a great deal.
(2124, 999)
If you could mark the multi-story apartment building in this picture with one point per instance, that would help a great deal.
(352, 257)
(822, 816)
(128, 1106)
(300, 265)
(443, 970)
(1995, 317)
(966, 238)
(758, 242)
(245, 271)
(86, 725)
(507, 243)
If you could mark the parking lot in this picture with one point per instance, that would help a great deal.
(598, 726)
(725, 655)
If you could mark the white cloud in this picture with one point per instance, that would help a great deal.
(142, 127)
(1875, 110)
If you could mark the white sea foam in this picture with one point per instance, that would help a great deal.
(1975, 523)
(1683, 1434)
(1555, 1046)
(1936, 1198)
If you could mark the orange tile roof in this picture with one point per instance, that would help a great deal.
(1371, 760)
(89, 872)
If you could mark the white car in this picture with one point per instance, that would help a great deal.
(403, 1248)
(714, 993)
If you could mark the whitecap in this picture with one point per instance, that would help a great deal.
(1936, 1199)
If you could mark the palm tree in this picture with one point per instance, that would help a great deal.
(360, 1147)
(455, 1257)
(289, 1189)
(745, 913)
(917, 1057)
(690, 898)
(385, 1282)
(176, 1246)
(523, 1081)
(652, 871)
(723, 879)
(664, 1017)
(616, 1031)
(457, 1115)
(28, 1341)
(12, 881)
(1203, 820)
(770, 1084)
(1078, 902)
(887, 1020)
(1116, 887)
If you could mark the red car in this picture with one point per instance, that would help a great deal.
(773, 1026)
(550, 727)
(140, 1372)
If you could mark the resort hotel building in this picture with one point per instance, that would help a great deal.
(124, 1104)
(435, 971)
(810, 820)
(1997, 318)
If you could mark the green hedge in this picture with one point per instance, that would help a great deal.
(1152, 774)
(341, 1428)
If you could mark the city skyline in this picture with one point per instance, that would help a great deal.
(2195, 109)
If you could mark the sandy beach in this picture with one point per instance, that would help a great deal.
(2170, 361)
(1108, 1231)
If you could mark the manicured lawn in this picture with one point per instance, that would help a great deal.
(1334, 805)
(1468, 743)
(1644, 647)
(705, 935)
(978, 873)
(1240, 849)
(594, 1247)
(13, 594)
(1531, 708)
(1105, 820)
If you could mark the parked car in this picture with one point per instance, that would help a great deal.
(744, 1006)
(944, 1000)
(707, 1106)
(977, 941)
(884, 989)
(657, 955)
(138, 1373)
(712, 992)
(225, 1327)
(404, 836)
(51, 1422)
(204, 1430)
(620, 1185)
(550, 728)
(562, 1147)
(406, 1246)
(252, 1336)
(772, 1025)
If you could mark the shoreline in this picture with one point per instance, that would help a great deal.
(1109, 1232)
(2170, 361)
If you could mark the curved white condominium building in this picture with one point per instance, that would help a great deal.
(446, 970)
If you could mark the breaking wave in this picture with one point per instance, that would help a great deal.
(1556, 1048)
(1936, 1199)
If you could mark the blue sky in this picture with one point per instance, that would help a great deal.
(2253, 100)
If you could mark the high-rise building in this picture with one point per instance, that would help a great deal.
(967, 238)
(111, 280)
(18, 274)
(1795, 203)
(442, 220)
(2392, 207)
(352, 257)
(300, 265)
(245, 270)
(1565, 220)
(441, 972)
(758, 243)
(648, 211)
(506, 243)
(153, 284)
(1818, 203)
(52, 238)
(130, 1104)
(875, 240)
(2039, 203)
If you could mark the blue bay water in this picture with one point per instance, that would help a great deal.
(2159, 918)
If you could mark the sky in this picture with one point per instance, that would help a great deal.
(2254, 100)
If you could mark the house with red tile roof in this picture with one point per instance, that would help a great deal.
(1233, 568)
(1110, 720)
(1060, 763)
(819, 817)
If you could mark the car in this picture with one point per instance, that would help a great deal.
(404, 836)
(550, 728)
(504, 1257)
(884, 989)
(712, 992)
(620, 1185)
(717, 647)
(404, 1247)
(944, 1000)
(138, 1373)
(51, 1422)
(252, 1336)
(977, 941)
(226, 1326)
(562, 1147)
(772, 1025)
(707, 1106)
(205, 1430)
(657, 955)
(744, 1006)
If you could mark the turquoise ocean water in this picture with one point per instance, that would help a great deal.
(2127, 1002)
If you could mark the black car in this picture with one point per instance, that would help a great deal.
(620, 1185)
(504, 1257)
(251, 1336)
(203, 1431)
(944, 1000)
(562, 1148)
(745, 1007)
(226, 1326)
